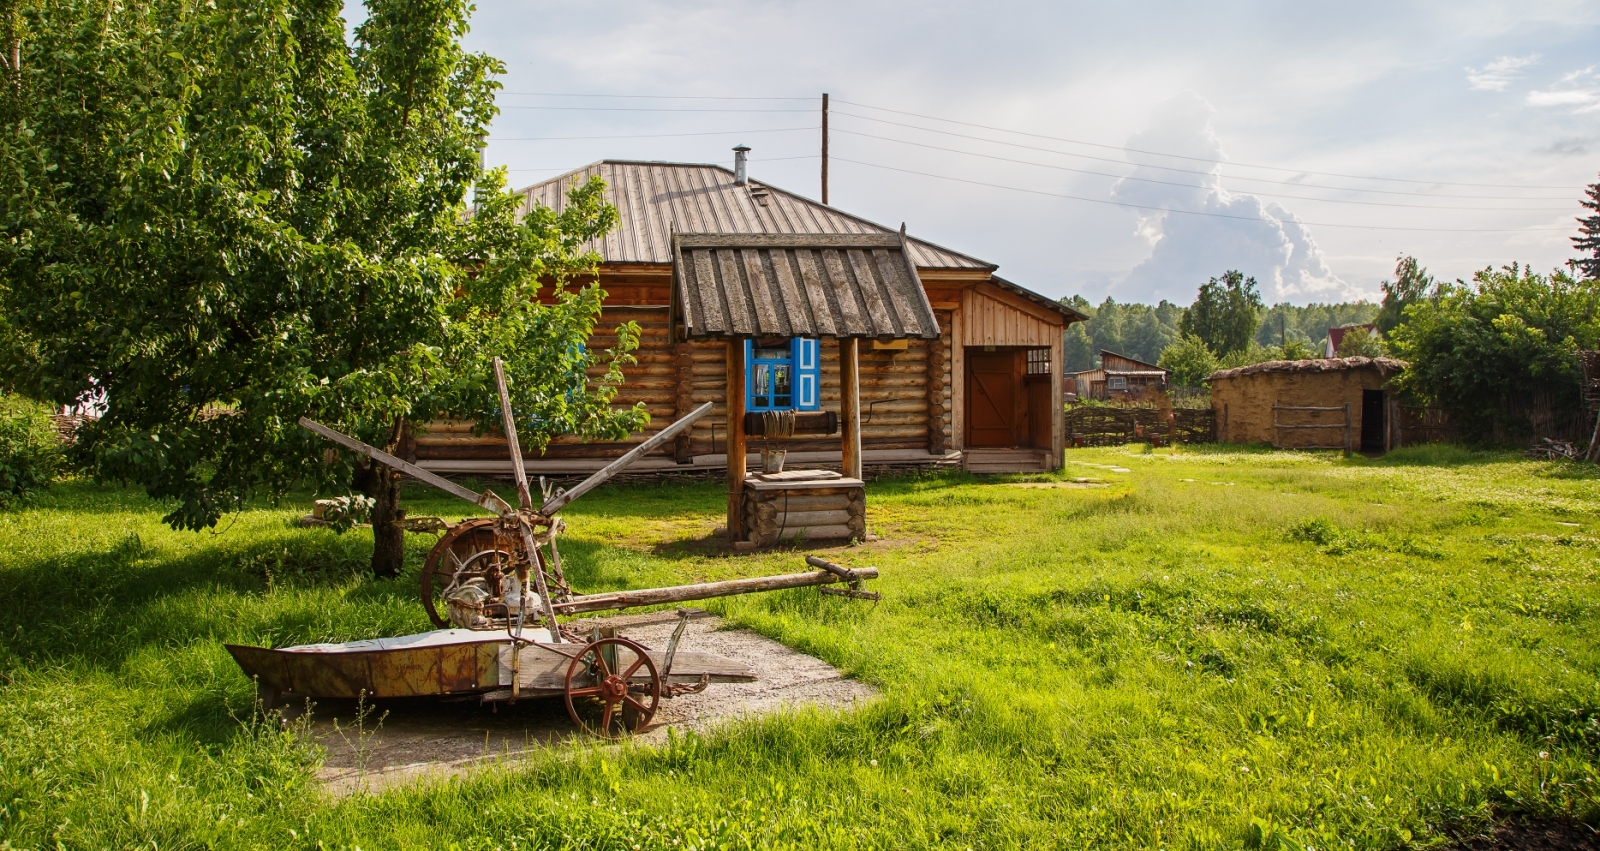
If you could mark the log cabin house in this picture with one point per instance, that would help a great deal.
(957, 366)
(1118, 376)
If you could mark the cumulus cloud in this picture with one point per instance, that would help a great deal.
(1260, 238)
(1498, 74)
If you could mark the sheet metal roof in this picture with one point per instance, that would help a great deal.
(798, 285)
(656, 199)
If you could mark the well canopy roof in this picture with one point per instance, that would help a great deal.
(798, 285)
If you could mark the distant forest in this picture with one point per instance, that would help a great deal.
(1142, 332)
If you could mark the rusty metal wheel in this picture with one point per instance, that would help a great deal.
(468, 551)
(603, 696)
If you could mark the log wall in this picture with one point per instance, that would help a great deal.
(906, 397)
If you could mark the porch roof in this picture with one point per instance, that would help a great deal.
(798, 285)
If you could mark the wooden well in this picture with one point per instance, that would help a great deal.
(810, 505)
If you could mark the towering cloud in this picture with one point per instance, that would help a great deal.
(1261, 239)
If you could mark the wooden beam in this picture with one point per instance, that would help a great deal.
(736, 439)
(488, 499)
(519, 474)
(958, 381)
(850, 402)
(605, 473)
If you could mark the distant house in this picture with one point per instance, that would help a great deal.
(1118, 376)
(1330, 348)
(1335, 403)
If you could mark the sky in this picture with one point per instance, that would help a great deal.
(1122, 150)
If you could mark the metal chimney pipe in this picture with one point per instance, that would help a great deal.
(741, 173)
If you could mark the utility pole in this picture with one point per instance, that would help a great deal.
(824, 148)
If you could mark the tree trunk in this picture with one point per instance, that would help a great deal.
(383, 486)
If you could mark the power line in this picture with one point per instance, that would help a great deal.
(647, 135)
(1196, 159)
(650, 97)
(644, 109)
(753, 160)
(1124, 162)
(1184, 212)
(1196, 186)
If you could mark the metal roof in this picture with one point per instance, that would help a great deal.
(798, 285)
(657, 199)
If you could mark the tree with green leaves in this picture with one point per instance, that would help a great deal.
(1360, 343)
(1411, 283)
(224, 216)
(1225, 314)
(1501, 351)
(1589, 227)
(1189, 361)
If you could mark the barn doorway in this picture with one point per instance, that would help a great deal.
(1372, 420)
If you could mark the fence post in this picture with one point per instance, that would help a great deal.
(1347, 428)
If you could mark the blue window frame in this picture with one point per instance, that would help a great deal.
(783, 375)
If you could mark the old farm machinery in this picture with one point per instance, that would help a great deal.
(495, 588)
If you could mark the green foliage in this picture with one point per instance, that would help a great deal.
(1189, 361)
(1360, 343)
(1589, 238)
(1225, 314)
(1490, 351)
(1411, 284)
(1285, 325)
(235, 207)
(1219, 649)
(30, 452)
(1137, 331)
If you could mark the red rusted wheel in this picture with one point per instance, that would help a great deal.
(604, 696)
(467, 552)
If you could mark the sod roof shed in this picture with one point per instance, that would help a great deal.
(1326, 403)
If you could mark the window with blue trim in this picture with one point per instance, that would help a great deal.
(783, 374)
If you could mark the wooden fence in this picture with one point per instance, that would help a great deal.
(1102, 425)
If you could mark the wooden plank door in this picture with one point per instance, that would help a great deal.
(992, 399)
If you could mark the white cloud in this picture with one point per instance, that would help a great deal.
(1586, 100)
(1498, 74)
(1260, 238)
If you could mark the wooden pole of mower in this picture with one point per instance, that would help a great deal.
(528, 543)
(736, 440)
(707, 590)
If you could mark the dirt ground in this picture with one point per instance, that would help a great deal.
(1534, 836)
(397, 742)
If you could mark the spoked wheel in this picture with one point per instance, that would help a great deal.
(467, 552)
(603, 695)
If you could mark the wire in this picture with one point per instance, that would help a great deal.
(1184, 212)
(646, 109)
(648, 135)
(753, 161)
(651, 97)
(1196, 186)
(1195, 159)
(1124, 162)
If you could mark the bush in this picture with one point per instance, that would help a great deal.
(30, 452)
(1189, 361)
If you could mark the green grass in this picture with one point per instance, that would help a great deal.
(1225, 648)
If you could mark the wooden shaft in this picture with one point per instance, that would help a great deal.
(850, 400)
(537, 569)
(517, 470)
(704, 591)
(844, 573)
(488, 499)
(736, 440)
(824, 149)
(560, 501)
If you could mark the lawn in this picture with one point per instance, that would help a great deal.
(1219, 649)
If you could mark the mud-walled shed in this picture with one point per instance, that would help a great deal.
(1327, 403)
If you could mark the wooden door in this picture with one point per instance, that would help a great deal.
(1039, 421)
(993, 398)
